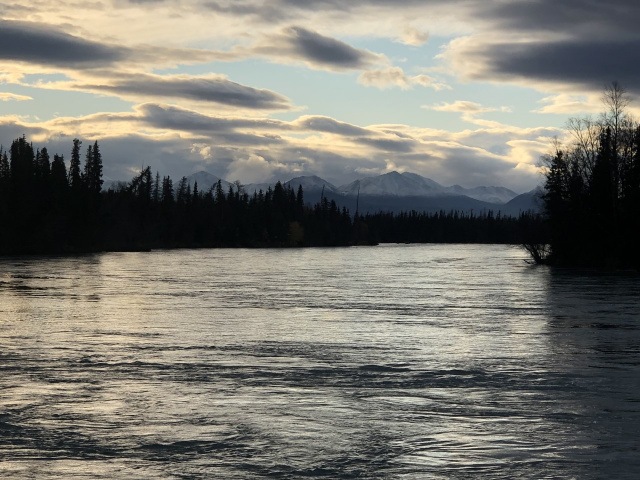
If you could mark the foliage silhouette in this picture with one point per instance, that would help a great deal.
(45, 209)
(592, 199)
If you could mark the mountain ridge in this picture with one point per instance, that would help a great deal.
(394, 191)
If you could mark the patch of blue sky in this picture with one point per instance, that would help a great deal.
(521, 101)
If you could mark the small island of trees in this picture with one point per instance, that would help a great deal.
(592, 198)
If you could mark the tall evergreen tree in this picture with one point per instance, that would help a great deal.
(93, 169)
(167, 190)
(21, 163)
(59, 178)
(156, 189)
(5, 171)
(42, 164)
(75, 176)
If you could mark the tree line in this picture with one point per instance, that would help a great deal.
(47, 208)
(592, 199)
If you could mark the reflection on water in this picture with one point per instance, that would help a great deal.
(388, 362)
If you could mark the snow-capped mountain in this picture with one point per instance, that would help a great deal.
(394, 184)
(311, 183)
(486, 194)
(411, 184)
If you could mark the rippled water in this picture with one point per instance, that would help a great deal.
(401, 361)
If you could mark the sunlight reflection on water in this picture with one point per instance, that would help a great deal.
(399, 361)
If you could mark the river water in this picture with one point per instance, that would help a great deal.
(396, 361)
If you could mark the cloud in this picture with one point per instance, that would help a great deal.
(212, 88)
(254, 169)
(460, 106)
(6, 97)
(469, 111)
(177, 141)
(235, 131)
(316, 50)
(395, 77)
(45, 45)
(587, 63)
(413, 36)
(181, 119)
(569, 104)
(571, 47)
(570, 17)
(329, 125)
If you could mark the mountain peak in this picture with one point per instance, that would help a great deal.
(393, 184)
(310, 182)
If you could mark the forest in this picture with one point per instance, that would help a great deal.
(592, 199)
(46, 208)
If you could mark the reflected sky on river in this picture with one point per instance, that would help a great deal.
(399, 361)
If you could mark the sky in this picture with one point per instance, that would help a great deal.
(467, 92)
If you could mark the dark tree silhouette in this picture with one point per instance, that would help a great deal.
(45, 209)
(593, 187)
(75, 176)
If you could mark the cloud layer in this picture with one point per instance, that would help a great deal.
(338, 151)
(177, 74)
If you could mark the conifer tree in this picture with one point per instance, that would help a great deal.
(75, 177)
(167, 190)
(95, 181)
(43, 164)
(156, 189)
(59, 172)
(5, 172)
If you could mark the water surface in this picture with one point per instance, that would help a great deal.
(398, 361)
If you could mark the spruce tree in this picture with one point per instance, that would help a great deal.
(59, 173)
(5, 172)
(75, 177)
(96, 170)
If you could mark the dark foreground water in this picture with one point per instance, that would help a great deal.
(403, 362)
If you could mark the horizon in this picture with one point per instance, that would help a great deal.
(469, 94)
(309, 175)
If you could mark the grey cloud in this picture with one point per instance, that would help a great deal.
(265, 12)
(10, 131)
(330, 125)
(219, 128)
(42, 44)
(297, 43)
(388, 145)
(326, 50)
(175, 118)
(590, 17)
(210, 89)
(590, 64)
(538, 15)
(36, 43)
(279, 9)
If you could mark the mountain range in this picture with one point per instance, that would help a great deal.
(394, 192)
(397, 192)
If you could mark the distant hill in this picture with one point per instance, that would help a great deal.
(527, 201)
(486, 194)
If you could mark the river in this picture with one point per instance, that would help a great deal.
(395, 361)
